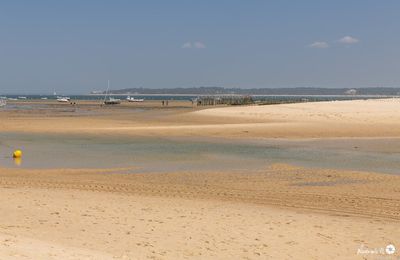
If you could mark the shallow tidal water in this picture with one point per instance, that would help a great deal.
(148, 154)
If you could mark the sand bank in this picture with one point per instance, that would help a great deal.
(356, 118)
(359, 118)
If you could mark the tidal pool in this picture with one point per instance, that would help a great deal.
(194, 154)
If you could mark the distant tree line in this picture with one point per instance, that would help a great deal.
(260, 91)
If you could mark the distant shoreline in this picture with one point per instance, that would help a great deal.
(204, 95)
(382, 91)
(256, 95)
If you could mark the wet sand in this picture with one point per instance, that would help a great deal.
(277, 212)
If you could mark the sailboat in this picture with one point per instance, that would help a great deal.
(63, 99)
(110, 100)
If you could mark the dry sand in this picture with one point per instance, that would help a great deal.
(357, 118)
(282, 212)
(86, 225)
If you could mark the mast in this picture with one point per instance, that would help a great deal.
(108, 87)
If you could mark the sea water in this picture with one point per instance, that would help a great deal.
(150, 154)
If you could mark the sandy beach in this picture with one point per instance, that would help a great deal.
(280, 211)
(205, 130)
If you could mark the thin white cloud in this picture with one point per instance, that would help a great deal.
(319, 45)
(187, 45)
(195, 45)
(199, 45)
(348, 40)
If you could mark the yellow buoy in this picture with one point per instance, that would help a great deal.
(17, 154)
(18, 161)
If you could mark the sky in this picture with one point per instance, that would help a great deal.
(76, 46)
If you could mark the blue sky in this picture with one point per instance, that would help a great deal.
(75, 46)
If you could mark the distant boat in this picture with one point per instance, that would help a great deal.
(44, 98)
(22, 97)
(133, 99)
(110, 100)
(13, 99)
(63, 99)
(3, 102)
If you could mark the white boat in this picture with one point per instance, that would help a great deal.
(44, 98)
(22, 97)
(110, 100)
(12, 99)
(3, 102)
(133, 99)
(63, 99)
